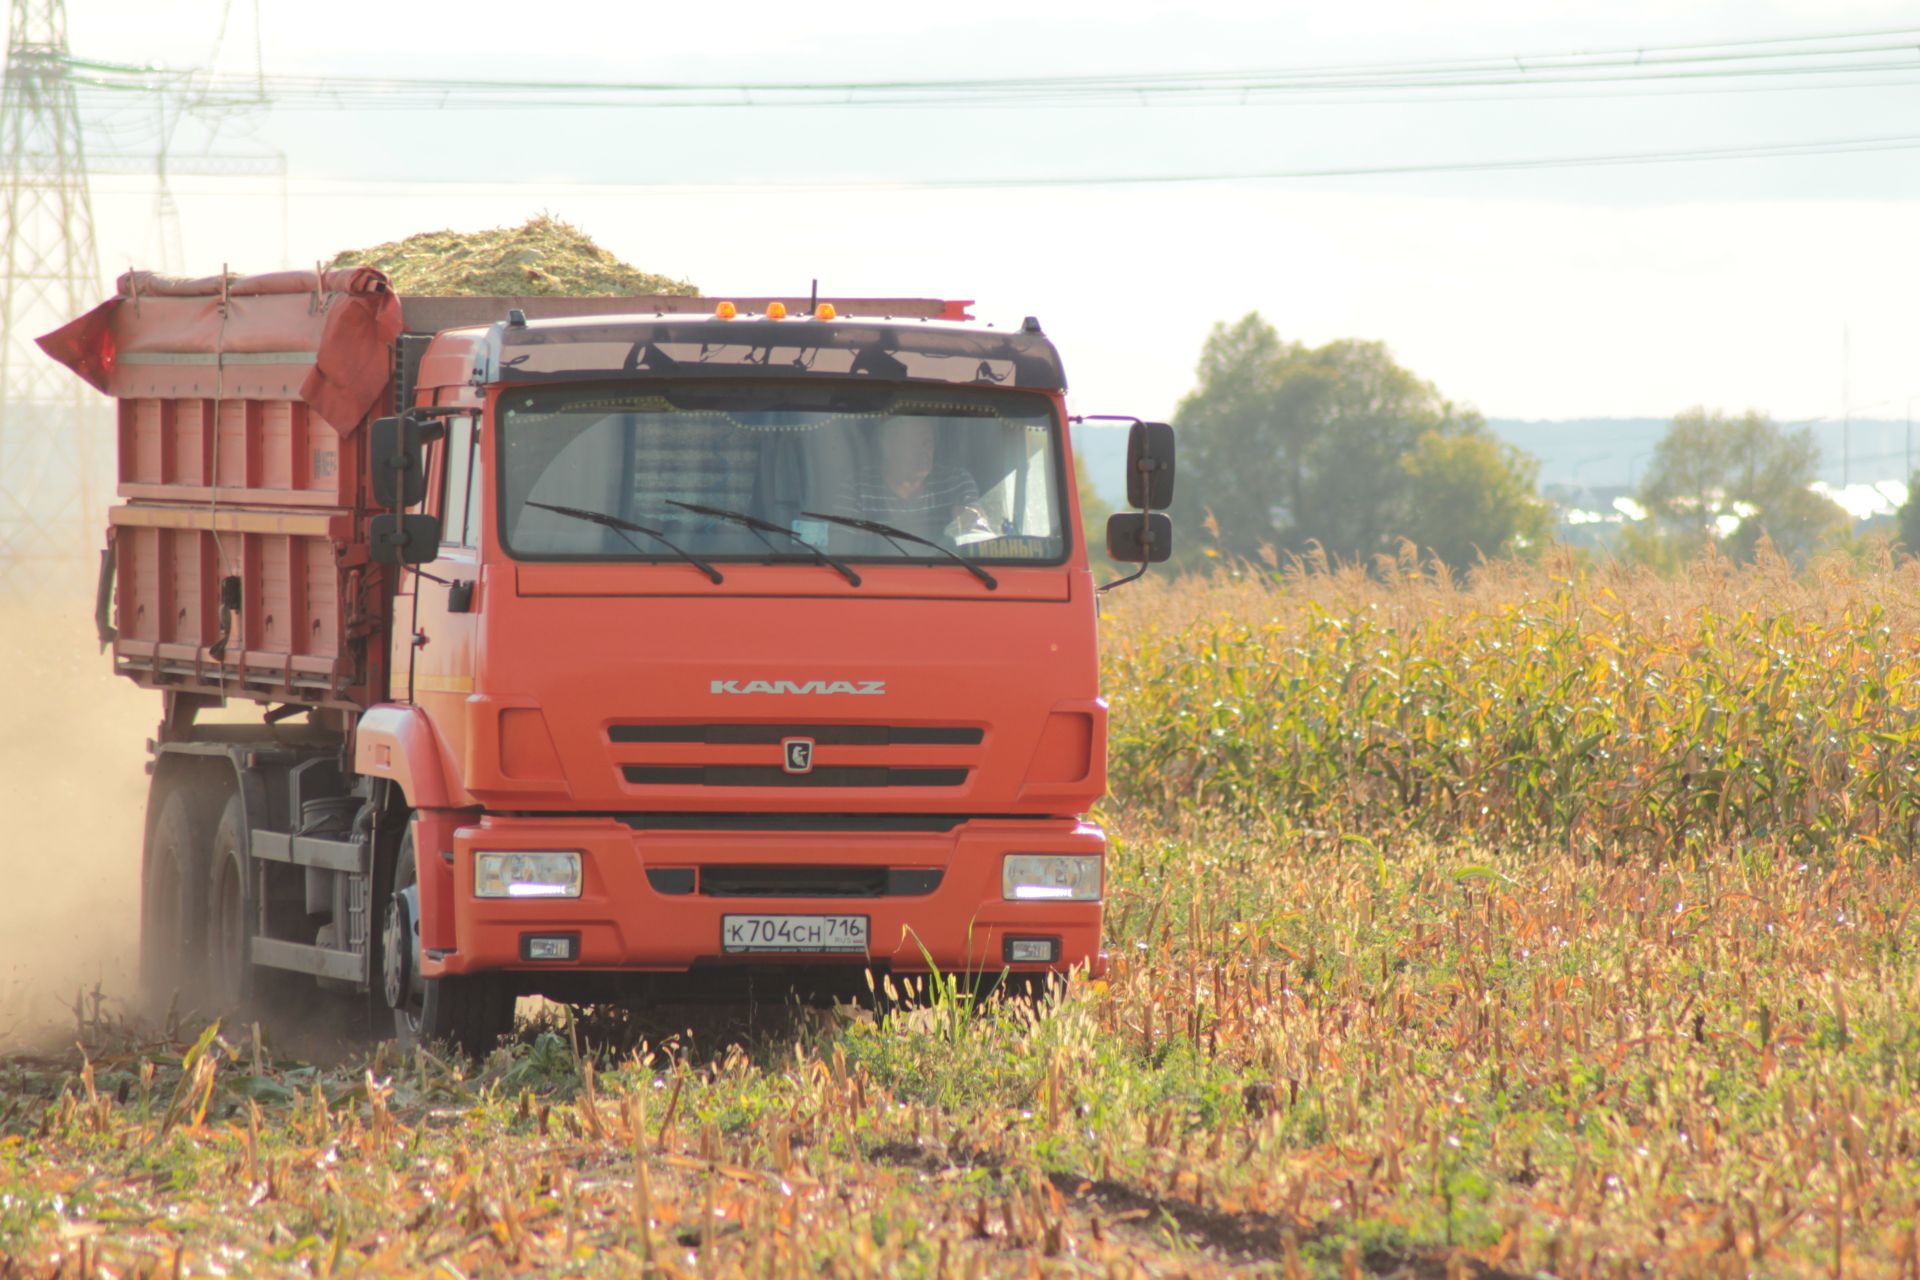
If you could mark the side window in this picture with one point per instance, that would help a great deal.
(476, 487)
(458, 527)
(433, 502)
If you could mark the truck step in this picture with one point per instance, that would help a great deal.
(325, 961)
(349, 856)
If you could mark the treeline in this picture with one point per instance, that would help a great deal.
(1289, 450)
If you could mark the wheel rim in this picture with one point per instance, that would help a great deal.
(396, 955)
(401, 984)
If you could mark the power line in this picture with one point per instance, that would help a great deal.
(1625, 56)
(1751, 151)
(1833, 57)
(1516, 88)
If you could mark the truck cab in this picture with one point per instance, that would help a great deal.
(745, 651)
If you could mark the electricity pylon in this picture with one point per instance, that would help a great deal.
(54, 430)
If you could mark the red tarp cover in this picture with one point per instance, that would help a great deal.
(334, 331)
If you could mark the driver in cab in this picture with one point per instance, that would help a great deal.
(907, 488)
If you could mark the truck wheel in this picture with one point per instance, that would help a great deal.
(471, 1011)
(232, 913)
(172, 906)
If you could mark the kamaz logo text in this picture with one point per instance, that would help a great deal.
(856, 687)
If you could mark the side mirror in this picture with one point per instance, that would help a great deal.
(1139, 537)
(403, 539)
(397, 448)
(1150, 466)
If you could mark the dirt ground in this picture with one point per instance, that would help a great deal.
(72, 789)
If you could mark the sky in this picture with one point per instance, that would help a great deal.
(1784, 284)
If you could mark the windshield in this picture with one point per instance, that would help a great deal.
(780, 471)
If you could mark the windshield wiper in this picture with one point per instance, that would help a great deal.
(893, 535)
(624, 527)
(760, 527)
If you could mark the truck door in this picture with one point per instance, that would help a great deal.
(433, 661)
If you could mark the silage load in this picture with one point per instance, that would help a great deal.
(542, 256)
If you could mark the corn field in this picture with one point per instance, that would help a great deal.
(1591, 710)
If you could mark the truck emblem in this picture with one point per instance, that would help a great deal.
(796, 755)
(855, 687)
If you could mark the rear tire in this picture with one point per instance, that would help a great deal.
(172, 901)
(471, 1011)
(233, 913)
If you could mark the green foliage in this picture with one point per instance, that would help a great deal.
(1908, 519)
(1470, 495)
(1735, 481)
(545, 1064)
(1285, 446)
(1644, 543)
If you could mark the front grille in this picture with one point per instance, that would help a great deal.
(816, 882)
(671, 880)
(862, 822)
(827, 735)
(772, 775)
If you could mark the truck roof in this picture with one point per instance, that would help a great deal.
(904, 349)
(425, 314)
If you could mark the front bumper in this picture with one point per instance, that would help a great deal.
(623, 922)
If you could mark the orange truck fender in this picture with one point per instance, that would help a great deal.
(398, 743)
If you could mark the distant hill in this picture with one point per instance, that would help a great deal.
(1607, 453)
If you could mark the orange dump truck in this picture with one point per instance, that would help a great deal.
(606, 647)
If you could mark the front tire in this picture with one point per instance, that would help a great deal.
(471, 1011)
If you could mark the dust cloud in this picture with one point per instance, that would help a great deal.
(73, 789)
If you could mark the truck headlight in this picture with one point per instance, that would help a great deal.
(526, 875)
(1055, 877)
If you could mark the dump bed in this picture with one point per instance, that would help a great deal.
(235, 550)
(236, 557)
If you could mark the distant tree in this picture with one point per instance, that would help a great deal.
(1284, 445)
(1908, 518)
(1644, 543)
(1729, 480)
(1471, 494)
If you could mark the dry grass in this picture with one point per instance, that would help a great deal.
(1336, 1038)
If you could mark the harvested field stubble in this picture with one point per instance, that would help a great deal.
(1335, 1049)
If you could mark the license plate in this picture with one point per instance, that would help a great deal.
(794, 933)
